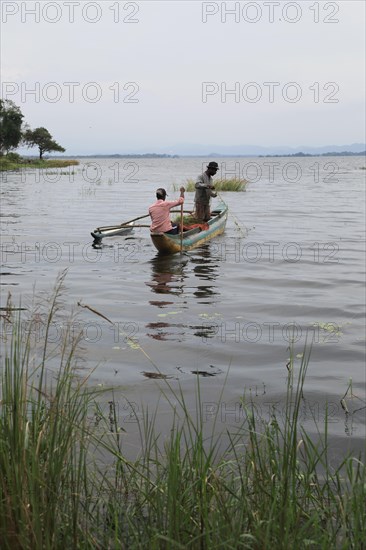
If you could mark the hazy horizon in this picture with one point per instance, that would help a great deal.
(354, 148)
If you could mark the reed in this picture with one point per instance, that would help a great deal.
(266, 483)
(43, 417)
(59, 163)
(235, 184)
(188, 219)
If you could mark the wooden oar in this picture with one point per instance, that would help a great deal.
(135, 219)
(185, 211)
(122, 224)
(141, 225)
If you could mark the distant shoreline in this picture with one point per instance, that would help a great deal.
(211, 155)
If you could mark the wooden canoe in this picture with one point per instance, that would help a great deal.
(100, 233)
(170, 244)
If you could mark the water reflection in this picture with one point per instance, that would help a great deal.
(182, 275)
(168, 274)
(206, 269)
(167, 279)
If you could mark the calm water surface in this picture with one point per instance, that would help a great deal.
(290, 265)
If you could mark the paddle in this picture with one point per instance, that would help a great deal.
(134, 220)
(122, 224)
(140, 225)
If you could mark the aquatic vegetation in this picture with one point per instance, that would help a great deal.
(59, 163)
(61, 173)
(168, 313)
(188, 219)
(66, 481)
(234, 184)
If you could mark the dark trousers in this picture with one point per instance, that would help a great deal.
(173, 231)
(203, 211)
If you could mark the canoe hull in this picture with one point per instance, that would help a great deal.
(171, 244)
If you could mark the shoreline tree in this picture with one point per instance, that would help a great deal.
(41, 138)
(11, 119)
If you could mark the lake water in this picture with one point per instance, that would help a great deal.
(290, 265)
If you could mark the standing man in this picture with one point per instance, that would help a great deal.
(204, 192)
(160, 212)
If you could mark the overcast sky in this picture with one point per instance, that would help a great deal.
(122, 77)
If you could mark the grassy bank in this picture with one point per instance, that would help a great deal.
(66, 483)
(13, 162)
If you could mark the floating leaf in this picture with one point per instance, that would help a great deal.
(209, 316)
(333, 329)
(156, 375)
(169, 313)
(132, 344)
(203, 373)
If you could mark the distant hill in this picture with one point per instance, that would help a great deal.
(258, 150)
(329, 154)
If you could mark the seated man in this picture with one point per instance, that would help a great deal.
(160, 213)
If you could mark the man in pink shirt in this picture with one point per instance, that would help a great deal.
(160, 212)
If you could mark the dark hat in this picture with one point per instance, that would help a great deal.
(213, 165)
(161, 192)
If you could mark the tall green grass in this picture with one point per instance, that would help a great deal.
(15, 162)
(66, 482)
(234, 184)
